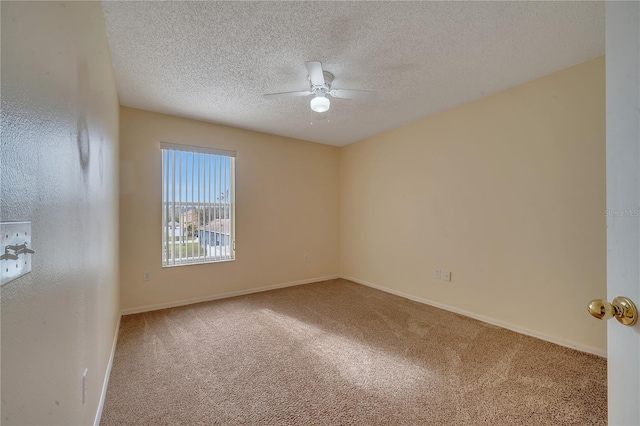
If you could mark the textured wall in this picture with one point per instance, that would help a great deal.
(286, 206)
(59, 162)
(507, 192)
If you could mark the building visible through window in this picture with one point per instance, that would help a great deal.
(198, 205)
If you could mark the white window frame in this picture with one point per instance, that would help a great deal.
(197, 181)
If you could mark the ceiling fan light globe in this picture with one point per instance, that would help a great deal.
(320, 104)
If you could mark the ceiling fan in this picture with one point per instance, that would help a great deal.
(320, 82)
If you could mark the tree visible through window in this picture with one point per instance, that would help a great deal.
(198, 205)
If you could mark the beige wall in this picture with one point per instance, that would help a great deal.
(59, 171)
(287, 205)
(507, 192)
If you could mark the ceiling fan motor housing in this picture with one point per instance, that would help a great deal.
(326, 87)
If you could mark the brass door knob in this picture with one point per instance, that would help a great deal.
(622, 308)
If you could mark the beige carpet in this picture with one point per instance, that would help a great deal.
(338, 353)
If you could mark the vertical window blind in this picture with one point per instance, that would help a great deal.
(198, 205)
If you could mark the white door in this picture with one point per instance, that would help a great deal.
(623, 204)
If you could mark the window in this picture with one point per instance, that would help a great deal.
(198, 205)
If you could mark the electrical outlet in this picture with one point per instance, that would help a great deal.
(146, 276)
(447, 276)
(438, 274)
(85, 385)
(306, 257)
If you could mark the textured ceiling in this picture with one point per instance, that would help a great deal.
(213, 61)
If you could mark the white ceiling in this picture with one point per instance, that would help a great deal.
(213, 61)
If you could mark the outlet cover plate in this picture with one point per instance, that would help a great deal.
(15, 250)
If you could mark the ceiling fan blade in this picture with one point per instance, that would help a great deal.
(315, 73)
(353, 94)
(287, 94)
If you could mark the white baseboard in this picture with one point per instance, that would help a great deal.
(512, 327)
(105, 382)
(148, 308)
(488, 320)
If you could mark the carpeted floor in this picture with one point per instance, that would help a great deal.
(339, 353)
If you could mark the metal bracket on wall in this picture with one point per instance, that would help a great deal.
(15, 250)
